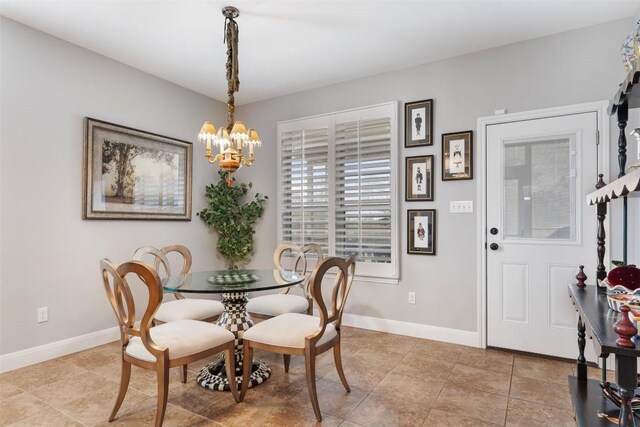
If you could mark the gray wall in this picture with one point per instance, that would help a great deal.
(49, 255)
(569, 68)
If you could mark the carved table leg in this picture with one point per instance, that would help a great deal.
(626, 377)
(582, 362)
(601, 213)
(236, 319)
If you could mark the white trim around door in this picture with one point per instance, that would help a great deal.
(600, 108)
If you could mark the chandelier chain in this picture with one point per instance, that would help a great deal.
(233, 83)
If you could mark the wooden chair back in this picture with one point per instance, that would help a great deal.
(122, 302)
(285, 251)
(185, 256)
(161, 262)
(158, 259)
(309, 251)
(332, 312)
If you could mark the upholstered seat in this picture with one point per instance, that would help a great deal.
(182, 338)
(289, 330)
(192, 309)
(277, 304)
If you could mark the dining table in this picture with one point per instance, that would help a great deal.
(234, 287)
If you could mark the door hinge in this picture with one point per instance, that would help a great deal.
(597, 137)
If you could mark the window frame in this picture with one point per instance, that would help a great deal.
(371, 272)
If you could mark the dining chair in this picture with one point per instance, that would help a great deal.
(180, 308)
(268, 306)
(169, 345)
(301, 334)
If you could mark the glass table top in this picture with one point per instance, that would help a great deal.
(225, 281)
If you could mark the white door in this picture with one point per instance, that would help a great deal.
(539, 229)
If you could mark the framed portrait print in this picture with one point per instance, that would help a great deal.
(457, 155)
(421, 231)
(132, 174)
(418, 123)
(418, 178)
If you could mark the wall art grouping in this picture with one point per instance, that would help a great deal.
(132, 174)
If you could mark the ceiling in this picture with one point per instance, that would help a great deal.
(290, 46)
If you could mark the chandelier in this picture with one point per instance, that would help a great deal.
(234, 137)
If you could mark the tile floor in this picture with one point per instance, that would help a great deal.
(395, 381)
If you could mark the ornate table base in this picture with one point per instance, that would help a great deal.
(236, 319)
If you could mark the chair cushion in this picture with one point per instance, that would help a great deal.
(182, 337)
(288, 330)
(277, 304)
(191, 309)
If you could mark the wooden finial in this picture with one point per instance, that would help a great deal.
(625, 329)
(581, 277)
(600, 182)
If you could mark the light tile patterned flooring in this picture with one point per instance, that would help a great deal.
(395, 381)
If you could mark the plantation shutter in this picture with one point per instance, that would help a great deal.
(304, 179)
(338, 183)
(363, 206)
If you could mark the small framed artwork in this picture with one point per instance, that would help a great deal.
(419, 178)
(132, 174)
(457, 155)
(418, 123)
(421, 231)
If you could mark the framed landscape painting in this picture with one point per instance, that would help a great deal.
(457, 155)
(132, 174)
(418, 178)
(418, 123)
(421, 231)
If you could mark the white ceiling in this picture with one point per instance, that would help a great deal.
(290, 46)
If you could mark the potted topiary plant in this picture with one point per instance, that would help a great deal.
(232, 219)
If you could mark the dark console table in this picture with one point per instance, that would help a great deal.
(596, 321)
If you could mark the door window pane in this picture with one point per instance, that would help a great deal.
(539, 189)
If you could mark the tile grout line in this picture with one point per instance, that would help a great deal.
(55, 409)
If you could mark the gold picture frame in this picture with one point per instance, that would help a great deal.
(418, 173)
(132, 174)
(457, 156)
(421, 231)
(418, 123)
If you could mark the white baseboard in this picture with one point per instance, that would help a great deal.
(30, 356)
(437, 333)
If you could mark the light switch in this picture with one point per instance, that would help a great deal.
(461, 206)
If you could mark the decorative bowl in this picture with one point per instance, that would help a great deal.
(626, 276)
(617, 300)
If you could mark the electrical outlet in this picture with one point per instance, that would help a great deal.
(412, 297)
(43, 314)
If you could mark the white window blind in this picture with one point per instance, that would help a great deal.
(363, 190)
(304, 189)
(338, 186)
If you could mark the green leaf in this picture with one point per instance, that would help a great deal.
(232, 219)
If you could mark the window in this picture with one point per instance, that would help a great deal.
(338, 186)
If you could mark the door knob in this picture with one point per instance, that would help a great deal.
(493, 231)
(493, 246)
